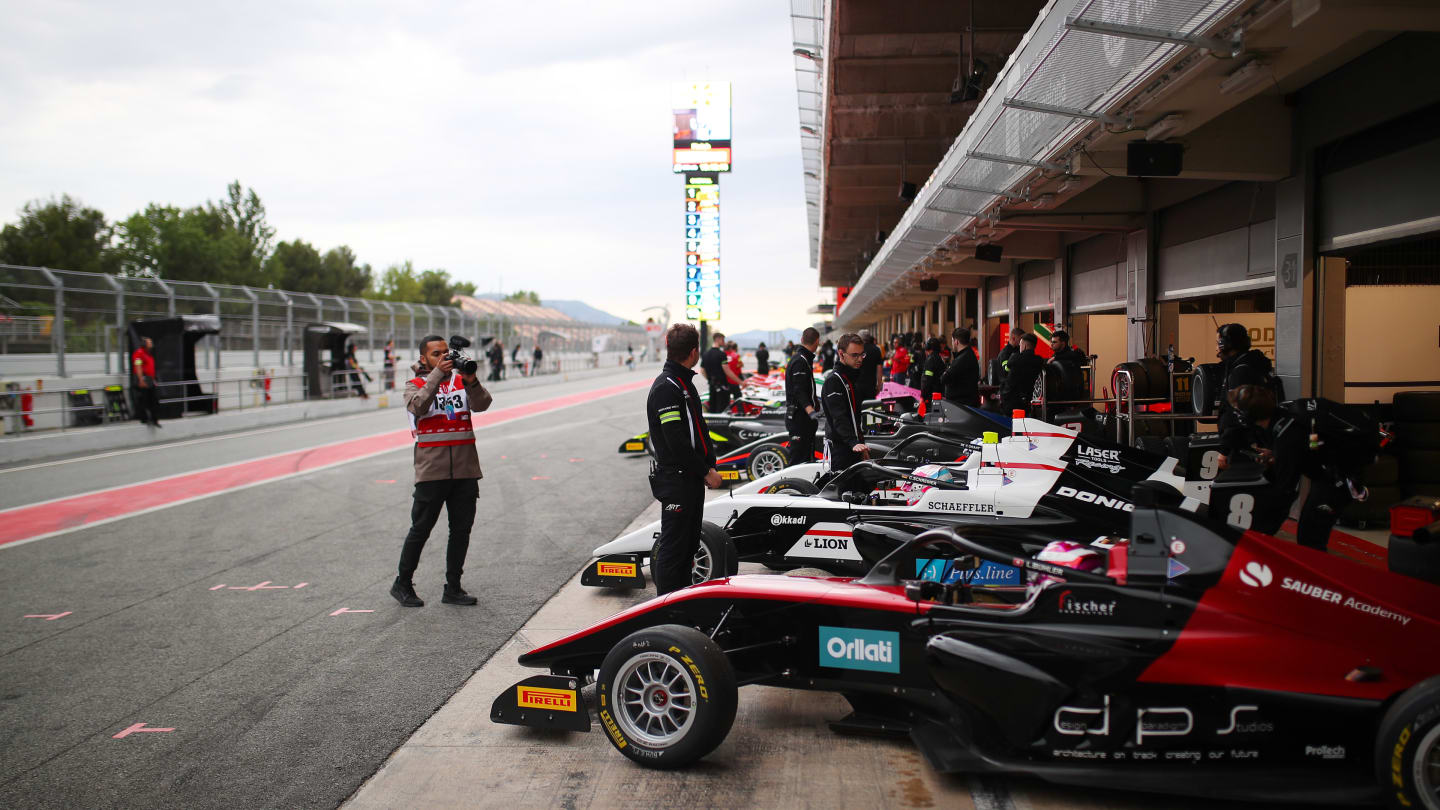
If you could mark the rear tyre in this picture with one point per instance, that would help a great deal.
(1407, 749)
(1418, 435)
(1417, 406)
(715, 556)
(666, 696)
(1420, 467)
(767, 459)
(792, 486)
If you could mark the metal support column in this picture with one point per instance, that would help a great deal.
(57, 327)
(123, 367)
(215, 338)
(410, 310)
(289, 347)
(254, 323)
(370, 311)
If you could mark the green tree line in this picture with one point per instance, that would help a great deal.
(224, 242)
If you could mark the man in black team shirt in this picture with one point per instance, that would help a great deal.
(868, 382)
(934, 369)
(961, 382)
(762, 359)
(684, 459)
(1019, 387)
(841, 402)
(719, 375)
(801, 408)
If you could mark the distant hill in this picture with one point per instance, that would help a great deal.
(579, 310)
(751, 339)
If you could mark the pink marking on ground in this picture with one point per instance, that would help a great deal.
(384, 480)
(218, 587)
(64, 514)
(348, 610)
(49, 617)
(264, 586)
(135, 729)
(301, 585)
(573, 460)
(539, 478)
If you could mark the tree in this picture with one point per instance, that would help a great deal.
(223, 242)
(343, 275)
(524, 297)
(398, 283)
(60, 234)
(464, 288)
(297, 266)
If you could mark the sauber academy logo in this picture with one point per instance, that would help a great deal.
(1255, 574)
(1258, 575)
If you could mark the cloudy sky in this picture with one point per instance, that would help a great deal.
(517, 145)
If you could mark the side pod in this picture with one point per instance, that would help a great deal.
(543, 701)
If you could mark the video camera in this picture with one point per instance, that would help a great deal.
(463, 362)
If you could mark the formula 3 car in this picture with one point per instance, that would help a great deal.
(1006, 485)
(1263, 670)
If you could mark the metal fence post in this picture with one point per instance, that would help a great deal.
(289, 348)
(370, 310)
(215, 295)
(169, 296)
(254, 323)
(429, 319)
(446, 312)
(57, 326)
(410, 310)
(122, 367)
(344, 308)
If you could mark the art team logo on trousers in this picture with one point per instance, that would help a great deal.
(849, 648)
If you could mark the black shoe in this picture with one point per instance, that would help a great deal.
(155, 424)
(456, 595)
(404, 593)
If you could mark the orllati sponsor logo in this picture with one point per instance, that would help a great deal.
(535, 697)
(851, 648)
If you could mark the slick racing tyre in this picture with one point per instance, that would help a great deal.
(792, 486)
(715, 556)
(767, 459)
(666, 696)
(1407, 749)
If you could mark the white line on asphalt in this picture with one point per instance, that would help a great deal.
(183, 501)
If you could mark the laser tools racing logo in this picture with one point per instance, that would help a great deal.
(848, 648)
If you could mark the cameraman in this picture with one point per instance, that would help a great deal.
(447, 468)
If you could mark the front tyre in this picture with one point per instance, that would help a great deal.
(715, 555)
(666, 696)
(792, 486)
(767, 459)
(1407, 749)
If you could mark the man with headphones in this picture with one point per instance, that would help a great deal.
(1240, 365)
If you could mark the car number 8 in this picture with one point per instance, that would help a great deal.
(1241, 506)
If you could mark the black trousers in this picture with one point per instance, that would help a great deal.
(1319, 512)
(802, 439)
(147, 405)
(842, 456)
(457, 496)
(682, 501)
(719, 399)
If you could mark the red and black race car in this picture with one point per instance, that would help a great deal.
(1199, 659)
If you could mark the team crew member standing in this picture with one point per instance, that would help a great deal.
(447, 468)
(1240, 365)
(961, 382)
(842, 405)
(762, 359)
(147, 407)
(801, 408)
(1024, 368)
(868, 382)
(684, 460)
(718, 374)
(900, 363)
(934, 370)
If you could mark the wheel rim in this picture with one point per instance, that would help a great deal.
(1427, 768)
(702, 565)
(765, 463)
(655, 703)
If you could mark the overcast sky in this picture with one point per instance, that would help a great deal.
(523, 144)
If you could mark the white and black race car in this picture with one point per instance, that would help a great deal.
(786, 521)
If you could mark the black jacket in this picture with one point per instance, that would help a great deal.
(841, 403)
(869, 367)
(800, 385)
(1019, 386)
(934, 369)
(1006, 353)
(713, 362)
(762, 360)
(677, 429)
(1248, 368)
(961, 382)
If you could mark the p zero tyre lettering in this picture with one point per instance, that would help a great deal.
(1407, 748)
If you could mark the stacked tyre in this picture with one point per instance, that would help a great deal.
(1417, 440)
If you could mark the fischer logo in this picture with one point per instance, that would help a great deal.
(965, 508)
(1325, 751)
(848, 648)
(1098, 500)
(1255, 574)
(1085, 607)
(787, 520)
